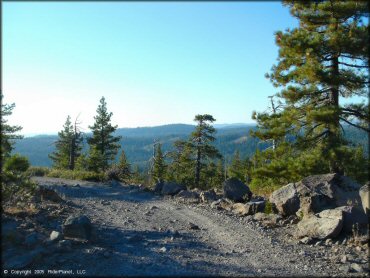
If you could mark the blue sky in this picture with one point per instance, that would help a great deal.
(155, 63)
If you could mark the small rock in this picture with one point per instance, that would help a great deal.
(76, 185)
(105, 202)
(318, 243)
(192, 226)
(345, 269)
(344, 259)
(306, 240)
(302, 253)
(356, 267)
(55, 236)
(163, 249)
(358, 248)
(328, 242)
(65, 244)
(344, 241)
(153, 207)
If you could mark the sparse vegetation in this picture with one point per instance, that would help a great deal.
(77, 175)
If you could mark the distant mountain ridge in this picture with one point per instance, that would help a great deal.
(138, 142)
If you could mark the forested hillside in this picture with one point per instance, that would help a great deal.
(138, 142)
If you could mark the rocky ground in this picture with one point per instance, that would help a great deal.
(138, 233)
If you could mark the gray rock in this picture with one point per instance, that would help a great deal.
(364, 195)
(185, 194)
(356, 267)
(65, 245)
(208, 196)
(163, 249)
(306, 240)
(192, 226)
(344, 259)
(286, 199)
(253, 207)
(236, 190)
(105, 202)
(325, 224)
(55, 236)
(222, 204)
(172, 188)
(316, 193)
(45, 193)
(77, 226)
(353, 216)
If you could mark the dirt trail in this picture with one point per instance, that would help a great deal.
(142, 234)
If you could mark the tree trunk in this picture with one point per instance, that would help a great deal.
(197, 169)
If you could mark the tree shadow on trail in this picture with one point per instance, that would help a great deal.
(154, 253)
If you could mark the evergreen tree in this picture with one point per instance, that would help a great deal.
(103, 145)
(124, 167)
(68, 146)
(181, 170)
(159, 166)
(237, 169)
(8, 132)
(322, 62)
(200, 141)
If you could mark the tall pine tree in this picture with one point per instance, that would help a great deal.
(201, 140)
(8, 132)
(68, 146)
(159, 165)
(103, 145)
(321, 63)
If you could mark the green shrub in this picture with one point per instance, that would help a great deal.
(16, 163)
(268, 207)
(37, 171)
(76, 175)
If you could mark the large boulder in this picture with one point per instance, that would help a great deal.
(326, 224)
(185, 194)
(172, 188)
(236, 190)
(364, 195)
(208, 196)
(316, 193)
(77, 226)
(353, 216)
(286, 199)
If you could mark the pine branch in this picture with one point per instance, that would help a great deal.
(358, 126)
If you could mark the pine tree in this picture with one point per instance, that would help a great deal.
(200, 141)
(181, 170)
(103, 145)
(320, 63)
(8, 132)
(68, 146)
(124, 167)
(159, 166)
(237, 169)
